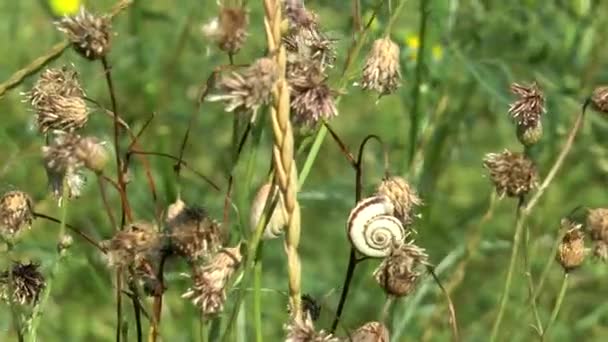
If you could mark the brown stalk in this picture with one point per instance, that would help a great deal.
(73, 229)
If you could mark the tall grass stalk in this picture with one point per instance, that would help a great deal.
(558, 305)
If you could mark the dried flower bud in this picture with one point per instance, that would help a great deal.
(402, 195)
(311, 307)
(208, 290)
(303, 330)
(529, 135)
(530, 106)
(599, 99)
(597, 224)
(89, 34)
(371, 332)
(382, 72)
(28, 284)
(279, 217)
(571, 251)
(15, 213)
(133, 244)
(249, 89)
(399, 273)
(512, 173)
(193, 234)
(65, 242)
(304, 39)
(311, 99)
(229, 29)
(57, 98)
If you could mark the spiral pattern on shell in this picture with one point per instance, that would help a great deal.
(372, 228)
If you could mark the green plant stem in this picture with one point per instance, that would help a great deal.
(394, 15)
(558, 304)
(525, 212)
(530, 280)
(386, 308)
(257, 300)
(15, 315)
(420, 54)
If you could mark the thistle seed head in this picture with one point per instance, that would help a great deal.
(192, 233)
(28, 284)
(382, 71)
(597, 225)
(599, 99)
(89, 34)
(249, 89)
(571, 251)
(15, 213)
(512, 173)
(399, 273)
(529, 135)
(371, 332)
(229, 29)
(208, 290)
(528, 109)
(57, 99)
(303, 330)
(133, 245)
(311, 99)
(402, 195)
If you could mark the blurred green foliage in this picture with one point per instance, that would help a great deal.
(475, 49)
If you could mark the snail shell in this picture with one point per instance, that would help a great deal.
(278, 219)
(372, 228)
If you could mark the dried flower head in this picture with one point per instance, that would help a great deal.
(371, 332)
(57, 99)
(28, 283)
(303, 330)
(402, 195)
(229, 29)
(15, 212)
(65, 158)
(599, 99)
(382, 72)
(528, 109)
(249, 89)
(311, 99)
(512, 173)
(597, 224)
(278, 219)
(399, 273)
(135, 243)
(304, 39)
(89, 34)
(571, 251)
(193, 234)
(208, 290)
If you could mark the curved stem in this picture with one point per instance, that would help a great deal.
(558, 304)
(73, 229)
(257, 300)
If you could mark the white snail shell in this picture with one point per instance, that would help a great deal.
(372, 228)
(278, 219)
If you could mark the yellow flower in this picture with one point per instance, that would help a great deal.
(64, 7)
(412, 41)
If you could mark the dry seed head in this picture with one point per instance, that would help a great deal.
(512, 173)
(193, 234)
(571, 251)
(528, 109)
(57, 99)
(15, 213)
(208, 290)
(371, 332)
(402, 195)
(133, 244)
(279, 217)
(399, 273)
(382, 72)
(89, 34)
(597, 225)
(229, 29)
(599, 99)
(311, 99)
(28, 284)
(304, 39)
(303, 330)
(249, 89)
(529, 135)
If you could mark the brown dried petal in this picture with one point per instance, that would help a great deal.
(512, 173)
(89, 34)
(571, 251)
(371, 332)
(15, 212)
(599, 99)
(382, 72)
(399, 273)
(28, 283)
(402, 195)
(528, 109)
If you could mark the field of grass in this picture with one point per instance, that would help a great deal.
(458, 59)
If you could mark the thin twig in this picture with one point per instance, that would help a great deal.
(73, 229)
(558, 305)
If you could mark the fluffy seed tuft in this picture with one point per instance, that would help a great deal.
(89, 34)
(512, 173)
(597, 225)
(402, 195)
(571, 251)
(311, 98)
(303, 330)
(382, 72)
(15, 213)
(229, 29)
(528, 109)
(399, 273)
(28, 284)
(599, 99)
(371, 332)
